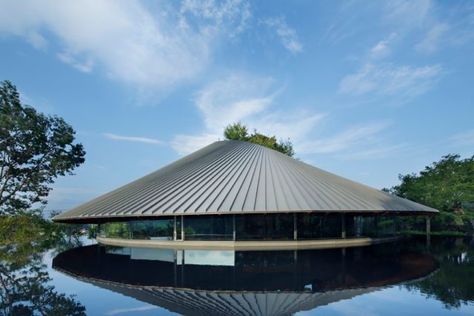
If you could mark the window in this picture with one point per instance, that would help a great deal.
(215, 227)
(157, 229)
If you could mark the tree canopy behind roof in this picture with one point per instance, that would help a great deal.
(238, 131)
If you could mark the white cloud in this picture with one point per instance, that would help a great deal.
(67, 58)
(351, 137)
(431, 41)
(464, 139)
(389, 80)
(124, 38)
(232, 99)
(186, 144)
(296, 125)
(407, 14)
(250, 100)
(287, 35)
(377, 151)
(135, 139)
(220, 13)
(382, 49)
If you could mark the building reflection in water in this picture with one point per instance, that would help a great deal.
(200, 282)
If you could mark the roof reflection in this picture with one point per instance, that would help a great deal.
(199, 282)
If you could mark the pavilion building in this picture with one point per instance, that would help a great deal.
(240, 195)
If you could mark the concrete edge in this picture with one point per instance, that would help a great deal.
(246, 245)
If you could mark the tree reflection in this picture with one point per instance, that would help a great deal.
(24, 288)
(452, 284)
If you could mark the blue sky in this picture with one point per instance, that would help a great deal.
(366, 90)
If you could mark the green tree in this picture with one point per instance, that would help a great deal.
(25, 287)
(452, 284)
(447, 185)
(34, 150)
(238, 131)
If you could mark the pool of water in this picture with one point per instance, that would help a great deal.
(409, 277)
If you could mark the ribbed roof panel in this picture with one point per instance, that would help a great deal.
(238, 177)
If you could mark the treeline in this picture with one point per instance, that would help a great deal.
(446, 185)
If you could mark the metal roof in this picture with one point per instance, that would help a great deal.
(234, 177)
(204, 303)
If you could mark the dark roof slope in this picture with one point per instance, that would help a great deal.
(233, 177)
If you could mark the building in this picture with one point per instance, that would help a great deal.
(240, 195)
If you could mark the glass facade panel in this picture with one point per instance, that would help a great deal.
(115, 230)
(158, 229)
(254, 227)
(208, 227)
(250, 227)
(319, 226)
(375, 226)
(265, 227)
(279, 226)
(350, 226)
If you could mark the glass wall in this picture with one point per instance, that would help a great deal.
(157, 229)
(253, 227)
(264, 227)
(115, 230)
(319, 226)
(375, 226)
(218, 227)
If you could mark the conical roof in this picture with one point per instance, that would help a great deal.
(234, 177)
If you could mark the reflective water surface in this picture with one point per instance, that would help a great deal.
(406, 277)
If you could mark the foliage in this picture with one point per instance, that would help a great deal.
(115, 230)
(452, 284)
(447, 185)
(238, 131)
(34, 150)
(24, 288)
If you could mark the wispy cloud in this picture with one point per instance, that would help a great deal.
(233, 98)
(285, 33)
(250, 100)
(406, 14)
(347, 139)
(388, 79)
(434, 26)
(135, 139)
(232, 15)
(383, 48)
(83, 66)
(186, 144)
(431, 41)
(377, 151)
(463, 139)
(124, 38)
